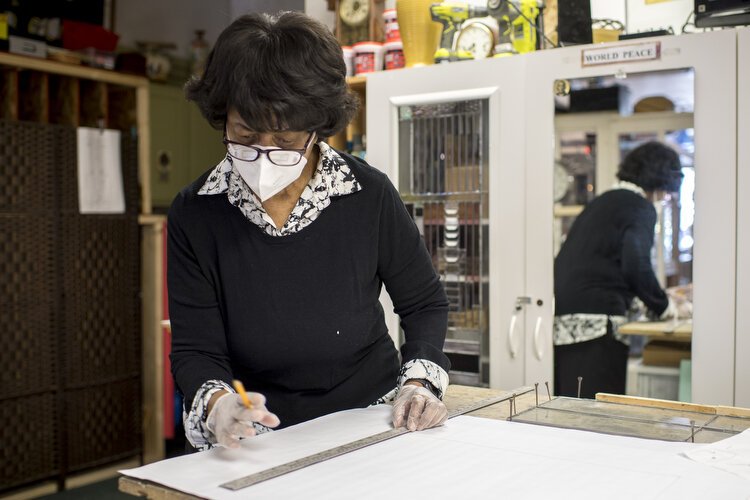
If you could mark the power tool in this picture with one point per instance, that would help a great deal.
(519, 21)
(451, 15)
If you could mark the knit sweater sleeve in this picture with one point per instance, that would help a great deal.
(638, 239)
(406, 269)
(199, 346)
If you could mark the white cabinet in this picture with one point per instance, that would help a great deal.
(498, 83)
(742, 346)
(713, 58)
(521, 156)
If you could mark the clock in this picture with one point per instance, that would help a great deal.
(476, 38)
(354, 12)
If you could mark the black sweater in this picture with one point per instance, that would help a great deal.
(297, 317)
(606, 258)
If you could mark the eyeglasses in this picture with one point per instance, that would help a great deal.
(280, 157)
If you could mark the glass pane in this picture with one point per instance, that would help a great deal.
(443, 177)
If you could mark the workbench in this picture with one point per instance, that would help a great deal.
(680, 330)
(609, 414)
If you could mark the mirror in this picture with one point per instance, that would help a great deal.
(607, 272)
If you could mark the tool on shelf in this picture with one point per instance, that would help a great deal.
(451, 15)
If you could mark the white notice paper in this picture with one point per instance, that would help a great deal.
(468, 457)
(100, 188)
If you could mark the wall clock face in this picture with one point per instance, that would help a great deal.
(477, 39)
(354, 12)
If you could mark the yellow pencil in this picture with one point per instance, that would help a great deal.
(241, 391)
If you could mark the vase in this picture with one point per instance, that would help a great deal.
(419, 33)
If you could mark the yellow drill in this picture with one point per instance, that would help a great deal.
(451, 15)
(519, 21)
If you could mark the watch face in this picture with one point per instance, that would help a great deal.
(354, 12)
(476, 39)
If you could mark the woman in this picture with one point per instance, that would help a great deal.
(604, 263)
(277, 256)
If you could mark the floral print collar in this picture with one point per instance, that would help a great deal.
(332, 177)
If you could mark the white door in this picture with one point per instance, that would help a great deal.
(742, 358)
(713, 58)
(500, 83)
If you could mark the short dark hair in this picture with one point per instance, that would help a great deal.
(280, 72)
(653, 166)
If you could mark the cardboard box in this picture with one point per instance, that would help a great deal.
(665, 353)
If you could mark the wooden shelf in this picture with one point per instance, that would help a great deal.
(357, 83)
(77, 71)
(50, 92)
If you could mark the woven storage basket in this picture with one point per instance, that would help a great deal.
(101, 317)
(103, 423)
(30, 448)
(28, 181)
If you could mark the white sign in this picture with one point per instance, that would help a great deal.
(647, 51)
(100, 189)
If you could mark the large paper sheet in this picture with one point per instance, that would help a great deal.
(466, 457)
(731, 454)
(100, 188)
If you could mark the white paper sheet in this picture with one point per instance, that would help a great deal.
(731, 454)
(100, 188)
(468, 456)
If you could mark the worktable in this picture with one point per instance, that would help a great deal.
(455, 397)
(609, 414)
(680, 330)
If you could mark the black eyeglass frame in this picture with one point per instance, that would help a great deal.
(267, 152)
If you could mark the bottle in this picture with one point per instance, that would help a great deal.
(198, 53)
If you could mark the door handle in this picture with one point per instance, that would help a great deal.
(512, 345)
(537, 346)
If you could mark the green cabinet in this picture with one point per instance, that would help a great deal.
(183, 144)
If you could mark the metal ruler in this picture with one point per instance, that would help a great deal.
(322, 456)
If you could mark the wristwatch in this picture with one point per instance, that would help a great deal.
(427, 384)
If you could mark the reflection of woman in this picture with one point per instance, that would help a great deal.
(277, 256)
(604, 263)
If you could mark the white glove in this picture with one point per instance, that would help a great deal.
(230, 419)
(417, 408)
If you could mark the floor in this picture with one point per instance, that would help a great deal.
(103, 490)
(107, 489)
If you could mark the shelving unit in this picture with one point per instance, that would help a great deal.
(81, 306)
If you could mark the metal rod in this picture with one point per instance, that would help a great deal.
(536, 392)
(692, 431)
(510, 410)
(579, 386)
(549, 396)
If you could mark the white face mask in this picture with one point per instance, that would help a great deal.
(265, 178)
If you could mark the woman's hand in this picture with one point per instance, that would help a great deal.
(229, 419)
(418, 408)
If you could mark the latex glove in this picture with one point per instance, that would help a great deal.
(230, 419)
(417, 408)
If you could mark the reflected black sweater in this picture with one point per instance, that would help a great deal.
(606, 258)
(298, 317)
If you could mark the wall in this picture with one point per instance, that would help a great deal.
(176, 20)
(639, 16)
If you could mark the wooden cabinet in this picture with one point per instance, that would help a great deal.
(183, 144)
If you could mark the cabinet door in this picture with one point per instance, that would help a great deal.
(169, 149)
(715, 114)
(205, 146)
(742, 354)
(417, 130)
